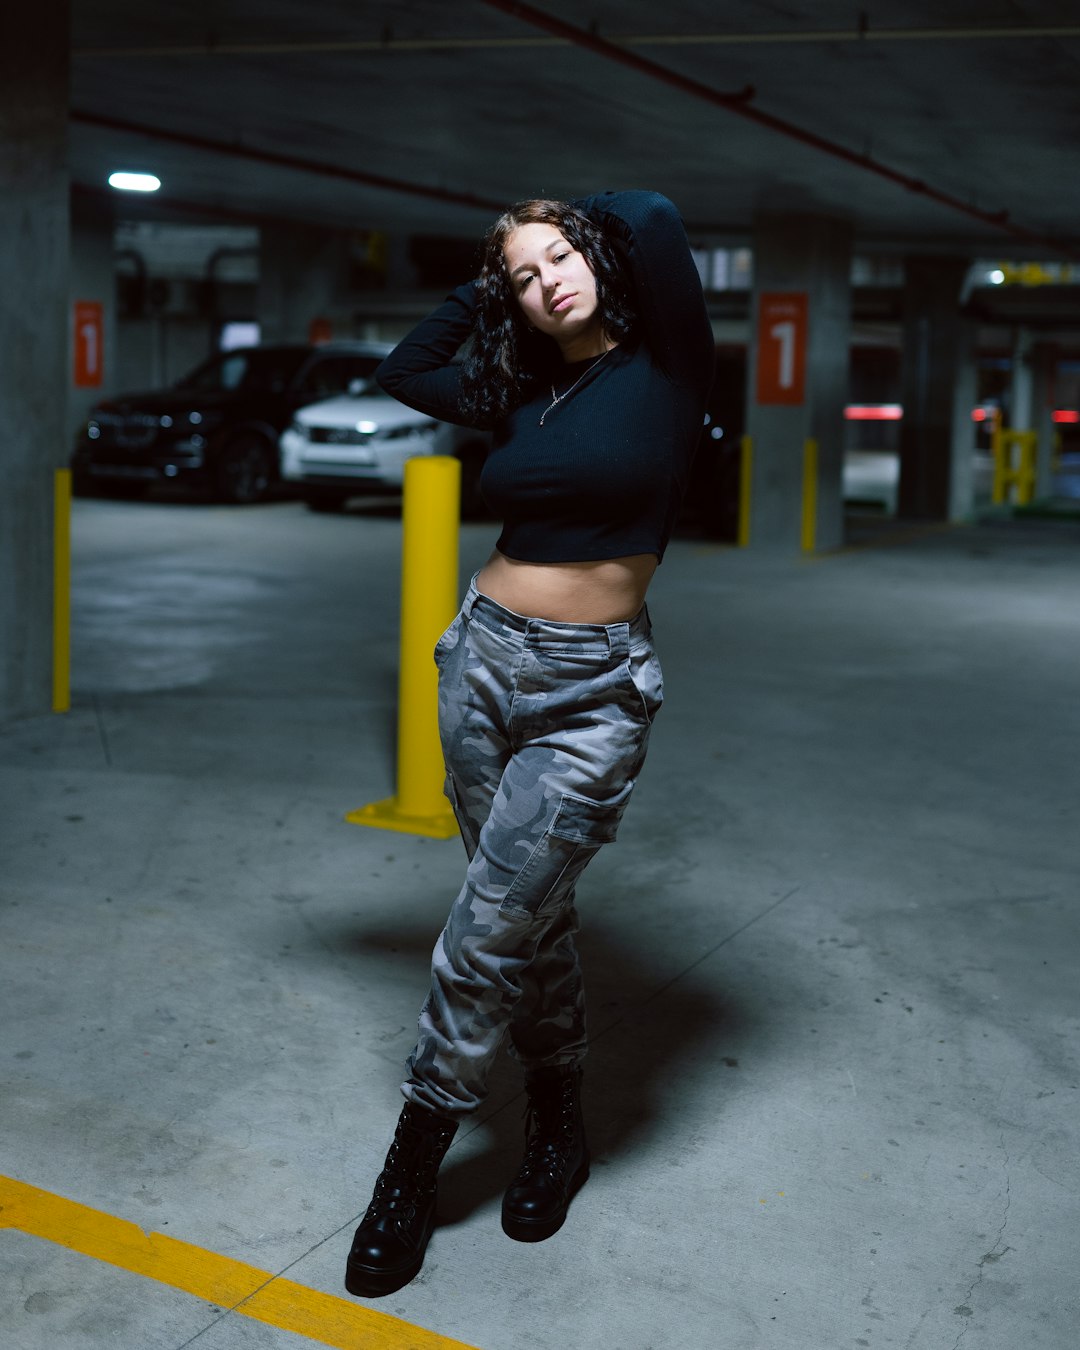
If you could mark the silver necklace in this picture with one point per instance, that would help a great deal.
(556, 399)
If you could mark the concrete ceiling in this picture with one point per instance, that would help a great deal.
(425, 116)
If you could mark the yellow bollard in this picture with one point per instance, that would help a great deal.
(1022, 476)
(61, 681)
(1026, 470)
(809, 495)
(429, 601)
(746, 466)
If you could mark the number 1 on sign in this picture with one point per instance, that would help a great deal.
(781, 355)
(88, 331)
(784, 334)
(89, 334)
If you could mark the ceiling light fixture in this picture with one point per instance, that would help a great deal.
(134, 182)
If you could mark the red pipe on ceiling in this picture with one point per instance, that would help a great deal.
(740, 104)
(376, 180)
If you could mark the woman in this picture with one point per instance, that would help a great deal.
(591, 358)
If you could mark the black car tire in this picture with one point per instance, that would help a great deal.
(325, 500)
(714, 491)
(83, 484)
(245, 471)
(126, 490)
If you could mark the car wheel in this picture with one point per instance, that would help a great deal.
(128, 492)
(324, 502)
(715, 493)
(473, 506)
(245, 471)
(82, 485)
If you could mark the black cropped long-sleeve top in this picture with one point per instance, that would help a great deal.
(604, 476)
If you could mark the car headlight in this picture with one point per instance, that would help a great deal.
(403, 433)
(298, 428)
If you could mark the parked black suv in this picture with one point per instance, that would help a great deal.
(219, 426)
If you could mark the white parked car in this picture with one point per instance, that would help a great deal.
(358, 443)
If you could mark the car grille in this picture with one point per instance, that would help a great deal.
(128, 431)
(337, 436)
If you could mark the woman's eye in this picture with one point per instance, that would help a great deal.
(559, 257)
(523, 282)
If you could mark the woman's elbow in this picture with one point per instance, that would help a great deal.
(657, 209)
(386, 377)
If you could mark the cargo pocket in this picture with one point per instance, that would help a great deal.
(468, 831)
(647, 680)
(575, 835)
(448, 641)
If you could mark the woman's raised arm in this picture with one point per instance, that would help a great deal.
(420, 371)
(650, 238)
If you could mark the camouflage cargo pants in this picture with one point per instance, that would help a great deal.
(544, 729)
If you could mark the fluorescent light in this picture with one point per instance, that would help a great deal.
(134, 182)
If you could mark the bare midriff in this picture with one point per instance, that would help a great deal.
(608, 591)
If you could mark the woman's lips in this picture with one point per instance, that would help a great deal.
(561, 303)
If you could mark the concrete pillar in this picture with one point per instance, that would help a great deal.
(93, 282)
(938, 393)
(400, 269)
(798, 374)
(304, 276)
(1020, 390)
(34, 333)
(1043, 357)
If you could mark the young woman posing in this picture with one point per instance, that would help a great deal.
(591, 358)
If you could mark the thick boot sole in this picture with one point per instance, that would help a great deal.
(368, 1282)
(538, 1230)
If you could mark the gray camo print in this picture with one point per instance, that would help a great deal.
(544, 729)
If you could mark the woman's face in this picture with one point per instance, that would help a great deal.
(554, 286)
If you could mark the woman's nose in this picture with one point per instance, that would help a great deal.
(548, 278)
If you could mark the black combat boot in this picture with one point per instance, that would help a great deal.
(388, 1249)
(556, 1162)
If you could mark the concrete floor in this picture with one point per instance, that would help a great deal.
(833, 1097)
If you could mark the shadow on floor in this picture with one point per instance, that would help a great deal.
(648, 1031)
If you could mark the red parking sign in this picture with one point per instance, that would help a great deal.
(781, 343)
(89, 343)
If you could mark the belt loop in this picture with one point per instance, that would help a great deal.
(619, 640)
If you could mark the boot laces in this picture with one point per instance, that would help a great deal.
(549, 1133)
(409, 1176)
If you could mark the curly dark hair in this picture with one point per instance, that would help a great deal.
(506, 356)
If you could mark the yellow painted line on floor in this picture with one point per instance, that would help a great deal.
(231, 1284)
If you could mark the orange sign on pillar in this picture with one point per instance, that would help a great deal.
(89, 343)
(781, 354)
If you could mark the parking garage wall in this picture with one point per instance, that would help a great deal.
(34, 336)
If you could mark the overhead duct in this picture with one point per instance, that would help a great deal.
(742, 106)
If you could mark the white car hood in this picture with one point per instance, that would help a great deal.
(346, 411)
